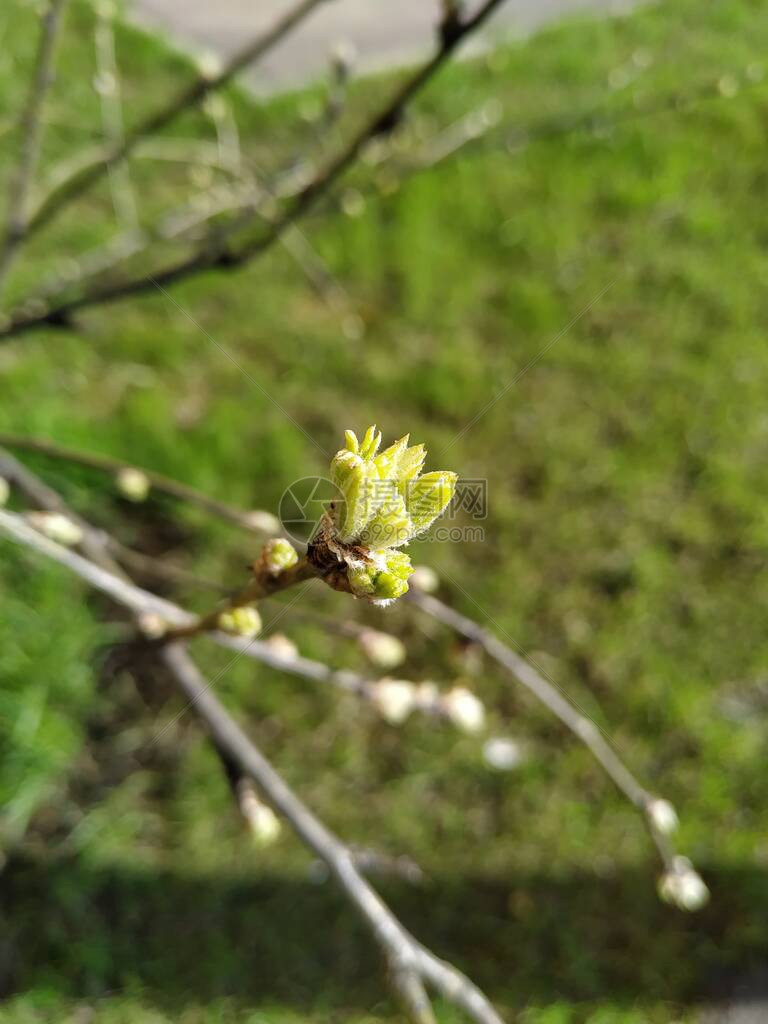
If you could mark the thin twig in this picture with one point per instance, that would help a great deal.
(17, 223)
(262, 584)
(188, 97)
(108, 88)
(159, 482)
(410, 964)
(217, 251)
(142, 602)
(560, 706)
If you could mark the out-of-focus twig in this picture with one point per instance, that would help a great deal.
(187, 98)
(548, 694)
(108, 88)
(256, 521)
(219, 250)
(411, 966)
(17, 221)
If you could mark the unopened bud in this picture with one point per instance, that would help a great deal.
(394, 699)
(153, 626)
(5, 490)
(425, 579)
(427, 696)
(383, 650)
(209, 65)
(264, 521)
(260, 818)
(132, 483)
(464, 709)
(278, 555)
(663, 816)
(241, 621)
(502, 753)
(282, 645)
(683, 886)
(56, 526)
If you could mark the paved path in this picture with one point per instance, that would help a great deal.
(384, 32)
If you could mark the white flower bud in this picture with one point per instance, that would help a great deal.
(260, 818)
(394, 699)
(153, 626)
(5, 490)
(383, 650)
(132, 483)
(352, 203)
(56, 526)
(663, 816)
(282, 645)
(427, 695)
(264, 521)
(502, 753)
(464, 709)
(209, 65)
(683, 886)
(425, 579)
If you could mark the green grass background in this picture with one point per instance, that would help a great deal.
(625, 547)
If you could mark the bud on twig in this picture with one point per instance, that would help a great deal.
(282, 645)
(464, 709)
(383, 650)
(394, 699)
(425, 579)
(56, 526)
(385, 502)
(683, 886)
(260, 818)
(278, 555)
(663, 816)
(241, 621)
(5, 490)
(264, 521)
(132, 483)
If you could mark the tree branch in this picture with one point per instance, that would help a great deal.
(217, 252)
(166, 485)
(548, 695)
(410, 964)
(17, 223)
(188, 97)
(142, 603)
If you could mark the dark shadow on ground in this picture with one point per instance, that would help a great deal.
(86, 932)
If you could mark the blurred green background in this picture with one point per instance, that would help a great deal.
(625, 543)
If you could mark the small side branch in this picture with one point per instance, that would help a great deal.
(18, 192)
(257, 521)
(410, 964)
(188, 98)
(548, 695)
(217, 251)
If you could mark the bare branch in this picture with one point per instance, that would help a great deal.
(189, 97)
(217, 251)
(142, 602)
(108, 88)
(545, 692)
(121, 591)
(410, 963)
(17, 223)
(174, 488)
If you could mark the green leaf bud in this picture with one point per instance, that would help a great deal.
(278, 555)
